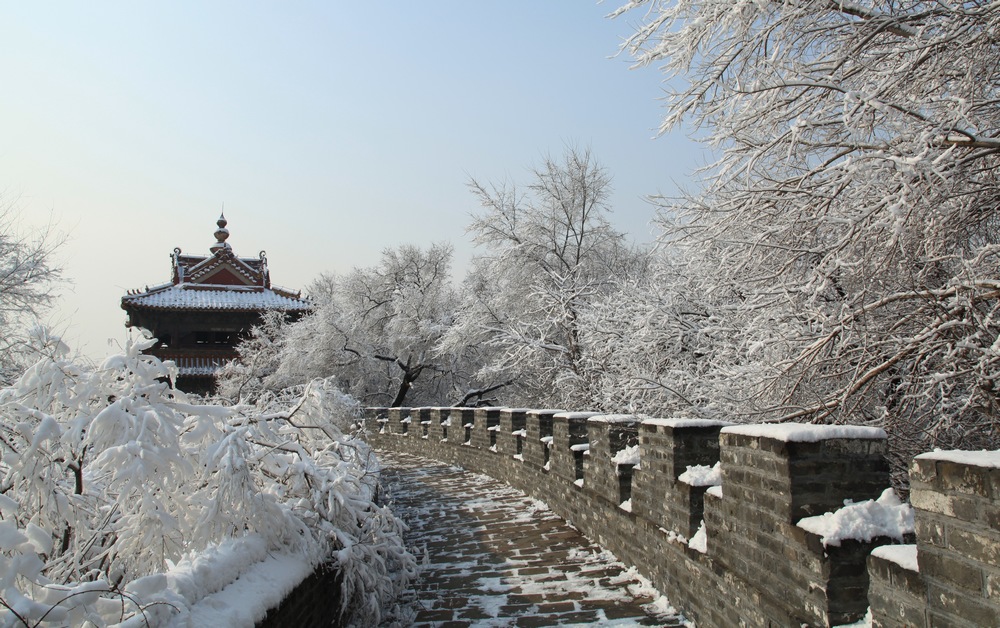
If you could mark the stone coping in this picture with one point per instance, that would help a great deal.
(806, 432)
(982, 458)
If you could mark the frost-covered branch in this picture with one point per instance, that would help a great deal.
(113, 480)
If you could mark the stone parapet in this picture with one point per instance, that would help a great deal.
(668, 447)
(487, 429)
(513, 431)
(375, 419)
(754, 561)
(896, 592)
(956, 496)
(538, 442)
(439, 424)
(773, 476)
(421, 424)
(400, 421)
(791, 471)
(569, 445)
(613, 453)
(463, 421)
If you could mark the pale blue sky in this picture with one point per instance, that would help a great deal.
(329, 130)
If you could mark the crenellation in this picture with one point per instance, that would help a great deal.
(610, 475)
(569, 429)
(399, 421)
(511, 438)
(487, 427)
(421, 421)
(439, 424)
(538, 442)
(462, 422)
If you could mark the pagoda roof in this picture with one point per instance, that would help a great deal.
(220, 281)
(186, 296)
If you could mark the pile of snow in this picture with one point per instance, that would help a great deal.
(702, 475)
(546, 440)
(699, 542)
(863, 521)
(628, 455)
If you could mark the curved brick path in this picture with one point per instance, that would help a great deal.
(495, 557)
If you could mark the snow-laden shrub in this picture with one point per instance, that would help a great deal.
(109, 478)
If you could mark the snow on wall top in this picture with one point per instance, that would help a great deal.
(576, 415)
(682, 423)
(982, 458)
(189, 297)
(805, 432)
(903, 555)
(614, 418)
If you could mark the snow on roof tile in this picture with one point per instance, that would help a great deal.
(198, 297)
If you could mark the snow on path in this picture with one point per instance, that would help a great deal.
(494, 557)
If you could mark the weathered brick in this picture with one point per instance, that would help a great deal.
(963, 478)
(949, 567)
(950, 607)
(979, 545)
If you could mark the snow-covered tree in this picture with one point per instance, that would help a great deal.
(259, 356)
(848, 232)
(28, 276)
(373, 330)
(549, 253)
(111, 482)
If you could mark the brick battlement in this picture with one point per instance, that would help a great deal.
(759, 568)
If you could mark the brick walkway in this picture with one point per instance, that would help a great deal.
(495, 557)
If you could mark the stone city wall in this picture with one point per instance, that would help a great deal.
(618, 479)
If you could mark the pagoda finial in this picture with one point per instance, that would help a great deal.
(221, 234)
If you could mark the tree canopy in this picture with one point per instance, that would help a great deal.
(548, 253)
(846, 238)
(28, 279)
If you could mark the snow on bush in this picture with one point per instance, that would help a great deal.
(886, 516)
(110, 481)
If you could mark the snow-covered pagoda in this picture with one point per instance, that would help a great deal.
(209, 304)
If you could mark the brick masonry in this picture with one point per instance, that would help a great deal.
(760, 569)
